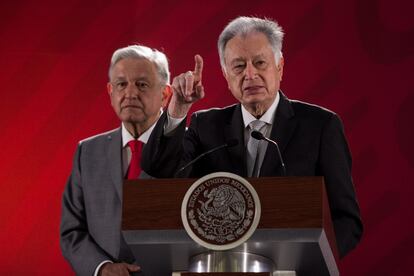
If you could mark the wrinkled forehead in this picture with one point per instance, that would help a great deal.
(247, 46)
(133, 67)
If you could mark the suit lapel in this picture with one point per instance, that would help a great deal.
(114, 158)
(234, 130)
(283, 128)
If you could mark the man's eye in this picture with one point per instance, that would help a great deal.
(238, 67)
(260, 63)
(142, 85)
(120, 85)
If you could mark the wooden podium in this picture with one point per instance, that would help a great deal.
(295, 228)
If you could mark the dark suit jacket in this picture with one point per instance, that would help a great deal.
(311, 141)
(90, 229)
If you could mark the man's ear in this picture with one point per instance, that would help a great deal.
(166, 95)
(280, 67)
(223, 70)
(109, 88)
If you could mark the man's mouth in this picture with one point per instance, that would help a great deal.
(129, 106)
(253, 88)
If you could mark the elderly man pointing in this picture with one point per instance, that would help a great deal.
(311, 138)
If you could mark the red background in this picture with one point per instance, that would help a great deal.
(355, 57)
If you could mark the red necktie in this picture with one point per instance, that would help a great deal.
(134, 166)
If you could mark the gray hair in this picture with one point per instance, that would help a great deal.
(243, 26)
(138, 51)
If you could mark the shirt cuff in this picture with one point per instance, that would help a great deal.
(99, 267)
(172, 124)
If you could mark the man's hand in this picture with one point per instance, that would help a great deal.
(187, 89)
(118, 269)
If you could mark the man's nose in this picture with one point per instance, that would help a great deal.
(131, 90)
(250, 71)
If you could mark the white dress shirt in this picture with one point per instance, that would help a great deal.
(126, 151)
(268, 117)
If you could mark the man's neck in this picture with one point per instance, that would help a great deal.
(134, 129)
(137, 129)
(266, 116)
(257, 110)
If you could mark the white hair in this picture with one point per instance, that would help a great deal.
(138, 51)
(243, 26)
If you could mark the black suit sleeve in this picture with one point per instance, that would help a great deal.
(335, 165)
(162, 155)
(78, 247)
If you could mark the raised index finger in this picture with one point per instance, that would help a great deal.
(198, 68)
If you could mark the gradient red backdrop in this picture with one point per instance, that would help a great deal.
(355, 57)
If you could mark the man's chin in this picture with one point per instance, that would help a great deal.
(256, 99)
(258, 104)
(133, 119)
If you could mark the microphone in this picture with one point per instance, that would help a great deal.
(228, 144)
(259, 136)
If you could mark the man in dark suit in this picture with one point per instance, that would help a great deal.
(311, 138)
(90, 233)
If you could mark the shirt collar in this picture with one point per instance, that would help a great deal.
(126, 136)
(267, 117)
